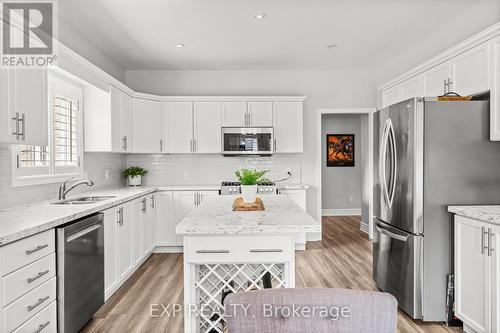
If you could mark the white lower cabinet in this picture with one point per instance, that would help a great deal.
(111, 224)
(477, 275)
(171, 208)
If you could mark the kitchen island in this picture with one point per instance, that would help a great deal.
(227, 251)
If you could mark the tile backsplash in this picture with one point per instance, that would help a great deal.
(95, 165)
(206, 169)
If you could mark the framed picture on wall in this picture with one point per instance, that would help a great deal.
(340, 150)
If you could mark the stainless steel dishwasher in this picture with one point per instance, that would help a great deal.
(80, 272)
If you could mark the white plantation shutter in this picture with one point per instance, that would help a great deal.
(62, 157)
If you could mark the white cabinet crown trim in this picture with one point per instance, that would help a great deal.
(467, 44)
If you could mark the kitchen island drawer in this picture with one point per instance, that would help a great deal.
(237, 248)
(43, 322)
(27, 278)
(29, 305)
(26, 250)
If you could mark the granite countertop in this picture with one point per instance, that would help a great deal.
(215, 216)
(30, 219)
(189, 188)
(489, 214)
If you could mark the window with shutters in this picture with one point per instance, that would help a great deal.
(62, 158)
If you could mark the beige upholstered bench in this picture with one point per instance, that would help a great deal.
(310, 310)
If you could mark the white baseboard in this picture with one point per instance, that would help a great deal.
(341, 212)
(364, 228)
(168, 249)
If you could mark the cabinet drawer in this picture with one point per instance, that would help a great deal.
(27, 250)
(29, 305)
(236, 248)
(43, 322)
(21, 281)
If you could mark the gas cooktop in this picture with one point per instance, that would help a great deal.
(233, 188)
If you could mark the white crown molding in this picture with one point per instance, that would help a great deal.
(69, 55)
(467, 44)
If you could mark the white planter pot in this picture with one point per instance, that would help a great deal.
(249, 193)
(134, 181)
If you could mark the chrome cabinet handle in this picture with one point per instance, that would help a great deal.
(482, 240)
(36, 277)
(490, 245)
(445, 87)
(212, 251)
(118, 217)
(36, 249)
(161, 145)
(121, 215)
(124, 143)
(143, 201)
(40, 301)
(191, 145)
(41, 327)
(266, 250)
(152, 201)
(274, 145)
(16, 119)
(22, 119)
(450, 83)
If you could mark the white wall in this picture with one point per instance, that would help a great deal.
(345, 88)
(341, 186)
(481, 15)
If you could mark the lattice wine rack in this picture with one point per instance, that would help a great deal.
(212, 281)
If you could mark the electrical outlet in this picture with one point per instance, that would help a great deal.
(106, 174)
(186, 175)
(351, 199)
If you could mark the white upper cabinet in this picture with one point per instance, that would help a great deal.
(207, 127)
(435, 80)
(260, 114)
(24, 106)
(178, 127)
(234, 114)
(121, 116)
(494, 68)
(412, 88)
(390, 96)
(288, 127)
(147, 126)
(469, 71)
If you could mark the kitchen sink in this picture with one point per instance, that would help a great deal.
(83, 200)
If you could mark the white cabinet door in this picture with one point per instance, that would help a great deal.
(137, 231)
(204, 194)
(178, 127)
(390, 96)
(260, 114)
(434, 80)
(469, 71)
(24, 106)
(121, 115)
(494, 68)
(495, 277)
(165, 221)
(146, 125)
(125, 244)
(411, 88)
(288, 127)
(184, 203)
(472, 273)
(207, 127)
(297, 196)
(111, 280)
(234, 114)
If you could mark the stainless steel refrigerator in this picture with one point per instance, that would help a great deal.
(427, 155)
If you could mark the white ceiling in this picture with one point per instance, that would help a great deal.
(224, 35)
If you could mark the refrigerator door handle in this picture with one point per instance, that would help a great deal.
(388, 138)
(397, 236)
(393, 163)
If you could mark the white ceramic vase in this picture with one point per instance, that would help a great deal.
(249, 193)
(134, 181)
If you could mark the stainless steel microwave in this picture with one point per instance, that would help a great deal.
(247, 141)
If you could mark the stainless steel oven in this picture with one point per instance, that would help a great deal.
(247, 141)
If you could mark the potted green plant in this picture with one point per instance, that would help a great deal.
(134, 175)
(249, 180)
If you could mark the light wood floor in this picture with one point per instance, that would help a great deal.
(342, 259)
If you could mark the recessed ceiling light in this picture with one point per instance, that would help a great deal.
(332, 46)
(261, 16)
(179, 45)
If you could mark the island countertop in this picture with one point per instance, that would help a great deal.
(488, 214)
(216, 216)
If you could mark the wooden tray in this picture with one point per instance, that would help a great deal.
(240, 206)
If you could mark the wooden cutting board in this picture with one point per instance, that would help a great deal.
(240, 206)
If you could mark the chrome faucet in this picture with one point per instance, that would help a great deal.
(63, 191)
